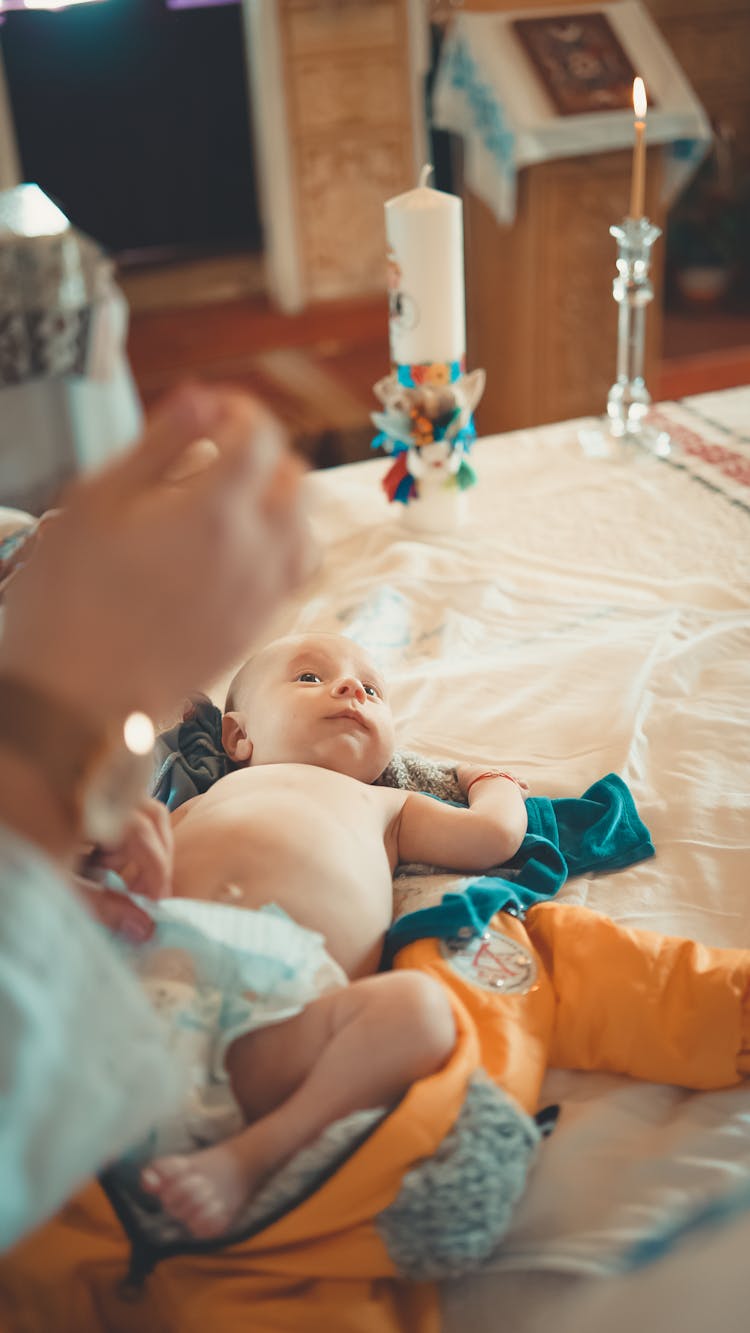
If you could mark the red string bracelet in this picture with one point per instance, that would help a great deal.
(492, 773)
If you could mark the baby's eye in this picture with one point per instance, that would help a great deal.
(308, 677)
(370, 689)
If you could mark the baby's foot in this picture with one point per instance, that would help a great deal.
(205, 1191)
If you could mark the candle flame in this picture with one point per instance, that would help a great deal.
(639, 98)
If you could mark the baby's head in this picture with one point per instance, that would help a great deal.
(311, 699)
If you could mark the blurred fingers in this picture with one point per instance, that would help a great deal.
(282, 490)
(194, 459)
(251, 445)
(115, 912)
(248, 505)
(184, 417)
(144, 857)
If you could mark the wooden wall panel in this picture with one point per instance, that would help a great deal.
(347, 88)
(711, 41)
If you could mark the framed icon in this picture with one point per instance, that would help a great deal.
(579, 61)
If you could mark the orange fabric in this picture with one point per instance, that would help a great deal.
(513, 1031)
(634, 1002)
(67, 1278)
(321, 1267)
(743, 1059)
(605, 998)
(608, 998)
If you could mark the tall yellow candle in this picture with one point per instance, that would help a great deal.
(638, 178)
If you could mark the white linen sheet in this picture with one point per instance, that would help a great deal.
(591, 616)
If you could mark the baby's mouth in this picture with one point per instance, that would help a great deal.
(348, 715)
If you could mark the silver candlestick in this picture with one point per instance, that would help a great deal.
(628, 400)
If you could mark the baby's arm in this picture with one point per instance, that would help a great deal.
(489, 833)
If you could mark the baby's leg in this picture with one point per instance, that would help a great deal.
(353, 1049)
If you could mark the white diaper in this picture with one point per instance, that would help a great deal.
(215, 972)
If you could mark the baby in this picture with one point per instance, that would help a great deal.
(300, 825)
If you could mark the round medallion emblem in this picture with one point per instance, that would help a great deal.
(492, 961)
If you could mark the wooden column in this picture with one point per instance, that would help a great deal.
(339, 129)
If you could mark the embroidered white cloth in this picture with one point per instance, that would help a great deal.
(67, 397)
(487, 91)
(84, 1066)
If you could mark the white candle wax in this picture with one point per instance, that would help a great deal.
(424, 231)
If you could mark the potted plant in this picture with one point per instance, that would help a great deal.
(705, 232)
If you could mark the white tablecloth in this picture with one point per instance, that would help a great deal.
(591, 616)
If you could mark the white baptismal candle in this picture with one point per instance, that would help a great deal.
(427, 319)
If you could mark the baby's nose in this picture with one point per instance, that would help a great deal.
(349, 687)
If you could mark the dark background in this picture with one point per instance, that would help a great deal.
(134, 119)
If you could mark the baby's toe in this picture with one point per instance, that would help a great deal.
(207, 1220)
(184, 1193)
(188, 1190)
(163, 1172)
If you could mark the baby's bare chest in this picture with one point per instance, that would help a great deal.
(285, 839)
(318, 851)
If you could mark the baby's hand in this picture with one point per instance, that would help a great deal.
(468, 774)
(144, 857)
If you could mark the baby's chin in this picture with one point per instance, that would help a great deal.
(352, 760)
(362, 772)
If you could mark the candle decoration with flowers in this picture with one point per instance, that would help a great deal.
(427, 425)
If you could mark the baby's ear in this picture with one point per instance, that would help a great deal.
(235, 739)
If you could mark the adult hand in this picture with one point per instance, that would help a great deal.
(143, 859)
(144, 856)
(114, 910)
(144, 586)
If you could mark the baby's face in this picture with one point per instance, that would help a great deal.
(318, 699)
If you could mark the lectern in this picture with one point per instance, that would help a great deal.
(540, 315)
(541, 105)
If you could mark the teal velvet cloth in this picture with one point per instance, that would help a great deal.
(598, 831)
